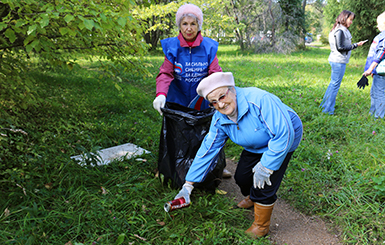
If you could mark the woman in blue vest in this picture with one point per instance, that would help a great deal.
(340, 41)
(189, 58)
(267, 129)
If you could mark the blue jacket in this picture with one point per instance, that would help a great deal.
(264, 125)
(191, 65)
(376, 51)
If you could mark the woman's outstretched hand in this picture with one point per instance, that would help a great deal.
(362, 42)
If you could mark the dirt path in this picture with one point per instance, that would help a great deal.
(288, 225)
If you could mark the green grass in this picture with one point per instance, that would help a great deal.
(47, 198)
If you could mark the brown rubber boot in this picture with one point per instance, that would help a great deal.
(246, 203)
(261, 224)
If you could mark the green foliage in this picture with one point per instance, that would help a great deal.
(47, 198)
(157, 20)
(294, 17)
(54, 30)
(54, 33)
(314, 17)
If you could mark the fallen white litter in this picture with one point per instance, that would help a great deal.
(120, 152)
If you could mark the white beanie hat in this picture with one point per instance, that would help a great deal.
(189, 9)
(214, 81)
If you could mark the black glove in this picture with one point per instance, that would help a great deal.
(363, 82)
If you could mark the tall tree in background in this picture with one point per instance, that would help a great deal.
(157, 18)
(314, 16)
(246, 14)
(268, 25)
(294, 18)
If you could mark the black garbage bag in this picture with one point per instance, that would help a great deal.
(183, 130)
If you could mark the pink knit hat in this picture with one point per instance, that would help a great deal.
(189, 9)
(214, 81)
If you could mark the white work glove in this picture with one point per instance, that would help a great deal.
(261, 175)
(185, 192)
(159, 102)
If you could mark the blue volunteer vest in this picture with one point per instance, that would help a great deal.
(191, 65)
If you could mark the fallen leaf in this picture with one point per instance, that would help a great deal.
(6, 212)
(48, 185)
(25, 194)
(221, 192)
(104, 191)
(160, 222)
(68, 243)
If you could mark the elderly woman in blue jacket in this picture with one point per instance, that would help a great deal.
(268, 130)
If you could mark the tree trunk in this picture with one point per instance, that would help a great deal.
(272, 25)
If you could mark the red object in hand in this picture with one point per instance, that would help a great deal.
(175, 204)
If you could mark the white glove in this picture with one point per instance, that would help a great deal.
(185, 192)
(159, 102)
(261, 175)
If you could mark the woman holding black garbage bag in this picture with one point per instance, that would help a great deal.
(189, 58)
(268, 130)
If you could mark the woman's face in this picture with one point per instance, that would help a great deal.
(189, 28)
(349, 21)
(224, 101)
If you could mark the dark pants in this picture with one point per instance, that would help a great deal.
(244, 178)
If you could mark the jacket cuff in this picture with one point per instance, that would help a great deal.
(160, 94)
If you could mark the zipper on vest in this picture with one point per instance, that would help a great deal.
(237, 126)
(190, 50)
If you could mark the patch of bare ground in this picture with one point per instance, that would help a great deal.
(288, 225)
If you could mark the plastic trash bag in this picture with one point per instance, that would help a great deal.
(183, 130)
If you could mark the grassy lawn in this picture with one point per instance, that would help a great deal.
(338, 171)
